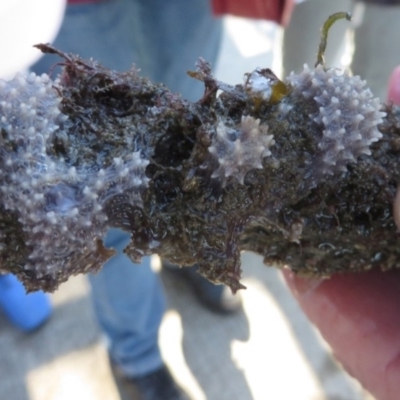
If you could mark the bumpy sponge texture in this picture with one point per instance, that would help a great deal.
(58, 205)
(348, 112)
(240, 149)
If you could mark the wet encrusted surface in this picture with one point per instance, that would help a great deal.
(131, 154)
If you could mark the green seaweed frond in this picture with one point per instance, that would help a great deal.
(324, 34)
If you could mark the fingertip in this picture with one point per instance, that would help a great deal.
(394, 87)
(358, 316)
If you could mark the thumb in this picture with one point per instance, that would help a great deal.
(394, 87)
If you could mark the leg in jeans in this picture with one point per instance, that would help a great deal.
(129, 304)
(164, 39)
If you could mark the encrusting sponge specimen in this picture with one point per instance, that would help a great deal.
(348, 112)
(59, 205)
(303, 171)
(240, 149)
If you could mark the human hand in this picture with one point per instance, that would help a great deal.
(359, 315)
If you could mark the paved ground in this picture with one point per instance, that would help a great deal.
(267, 351)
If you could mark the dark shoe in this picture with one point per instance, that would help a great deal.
(217, 298)
(158, 385)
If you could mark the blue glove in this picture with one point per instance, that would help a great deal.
(26, 311)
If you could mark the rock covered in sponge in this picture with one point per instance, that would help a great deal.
(127, 153)
(348, 112)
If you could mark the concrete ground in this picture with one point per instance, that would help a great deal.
(268, 351)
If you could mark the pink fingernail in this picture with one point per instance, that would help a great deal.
(394, 87)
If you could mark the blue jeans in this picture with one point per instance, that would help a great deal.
(163, 38)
